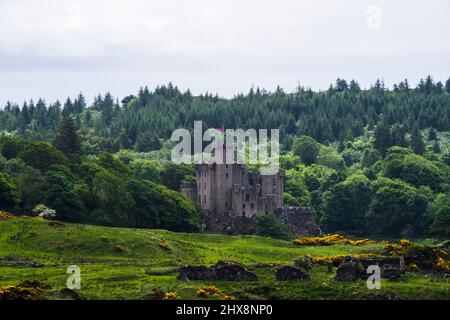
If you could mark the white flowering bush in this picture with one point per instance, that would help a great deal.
(41, 210)
(48, 214)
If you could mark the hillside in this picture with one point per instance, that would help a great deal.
(127, 263)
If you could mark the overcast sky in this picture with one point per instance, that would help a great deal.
(54, 49)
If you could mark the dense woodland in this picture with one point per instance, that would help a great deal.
(373, 161)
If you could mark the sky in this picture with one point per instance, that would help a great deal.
(58, 48)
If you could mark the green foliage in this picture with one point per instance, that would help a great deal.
(268, 226)
(31, 182)
(41, 155)
(307, 149)
(62, 195)
(147, 141)
(330, 158)
(9, 196)
(346, 205)
(11, 146)
(440, 210)
(413, 169)
(397, 209)
(67, 139)
(417, 142)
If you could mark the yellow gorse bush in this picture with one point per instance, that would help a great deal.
(211, 290)
(443, 265)
(171, 295)
(330, 240)
(337, 259)
(6, 215)
(19, 292)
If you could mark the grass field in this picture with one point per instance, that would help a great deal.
(127, 263)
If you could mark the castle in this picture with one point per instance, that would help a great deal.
(231, 197)
(233, 190)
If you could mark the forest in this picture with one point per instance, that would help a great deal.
(365, 161)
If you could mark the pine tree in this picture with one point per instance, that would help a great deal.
(417, 140)
(382, 136)
(67, 139)
(447, 86)
(432, 136)
(436, 147)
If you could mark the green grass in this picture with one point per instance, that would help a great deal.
(143, 265)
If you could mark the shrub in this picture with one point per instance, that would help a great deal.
(212, 291)
(337, 259)
(171, 295)
(268, 226)
(27, 290)
(5, 215)
(304, 263)
(331, 240)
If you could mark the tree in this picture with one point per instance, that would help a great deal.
(61, 194)
(396, 207)
(413, 169)
(41, 155)
(417, 140)
(268, 226)
(440, 210)
(447, 86)
(11, 147)
(147, 141)
(432, 135)
(346, 205)
(382, 137)
(9, 197)
(30, 183)
(307, 149)
(67, 139)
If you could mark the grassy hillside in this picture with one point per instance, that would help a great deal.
(128, 263)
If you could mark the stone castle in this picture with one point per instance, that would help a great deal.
(231, 196)
(234, 190)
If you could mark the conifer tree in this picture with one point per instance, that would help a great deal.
(67, 139)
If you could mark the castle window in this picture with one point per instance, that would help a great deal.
(274, 182)
(253, 206)
(226, 166)
(247, 197)
(243, 207)
(226, 204)
(226, 175)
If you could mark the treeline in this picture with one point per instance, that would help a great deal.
(139, 121)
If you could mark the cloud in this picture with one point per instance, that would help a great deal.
(219, 46)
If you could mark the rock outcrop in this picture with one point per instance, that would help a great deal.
(392, 268)
(223, 270)
(289, 273)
